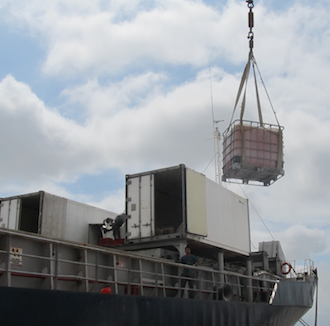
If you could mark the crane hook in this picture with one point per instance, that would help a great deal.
(250, 3)
(251, 22)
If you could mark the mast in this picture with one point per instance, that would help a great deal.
(217, 152)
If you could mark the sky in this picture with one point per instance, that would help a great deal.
(93, 90)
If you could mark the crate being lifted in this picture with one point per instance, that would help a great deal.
(252, 151)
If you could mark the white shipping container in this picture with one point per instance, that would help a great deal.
(196, 203)
(178, 202)
(9, 211)
(51, 216)
(273, 249)
(228, 224)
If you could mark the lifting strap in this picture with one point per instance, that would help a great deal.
(245, 76)
(243, 84)
(257, 94)
(242, 89)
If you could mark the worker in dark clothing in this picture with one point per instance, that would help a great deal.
(188, 273)
(114, 225)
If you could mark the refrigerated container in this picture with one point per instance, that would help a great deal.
(180, 203)
(51, 216)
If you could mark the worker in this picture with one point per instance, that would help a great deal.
(188, 273)
(117, 223)
(114, 225)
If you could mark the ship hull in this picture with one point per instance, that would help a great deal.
(21, 306)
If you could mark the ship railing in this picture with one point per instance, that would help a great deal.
(33, 261)
(309, 268)
(299, 271)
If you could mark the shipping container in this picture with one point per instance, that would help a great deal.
(275, 255)
(252, 152)
(179, 203)
(51, 216)
(273, 249)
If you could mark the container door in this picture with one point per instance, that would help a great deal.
(4, 214)
(146, 206)
(30, 209)
(140, 200)
(133, 208)
(10, 213)
(196, 203)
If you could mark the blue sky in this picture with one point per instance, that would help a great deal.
(93, 90)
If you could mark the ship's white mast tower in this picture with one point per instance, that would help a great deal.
(217, 152)
(216, 138)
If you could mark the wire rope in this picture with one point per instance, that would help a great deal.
(256, 212)
(209, 163)
(262, 81)
(301, 321)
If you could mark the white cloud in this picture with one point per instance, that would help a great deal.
(97, 43)
(106, 100)
(88, 38)
(305, 242)
(298, 242)
(163, 128)
(115, 202)
(39, 142)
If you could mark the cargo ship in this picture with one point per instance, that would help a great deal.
(61, 265)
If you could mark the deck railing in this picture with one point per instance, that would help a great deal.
(33, 261)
